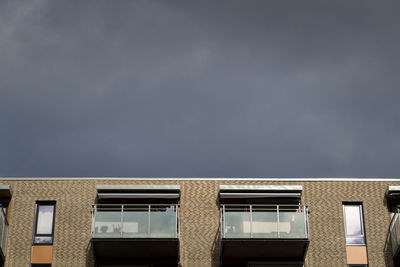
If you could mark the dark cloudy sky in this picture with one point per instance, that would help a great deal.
(200, 88)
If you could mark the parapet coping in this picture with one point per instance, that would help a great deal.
(255, 179)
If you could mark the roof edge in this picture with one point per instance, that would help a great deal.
(299, 179)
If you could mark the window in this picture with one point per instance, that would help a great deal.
(40, 265)
(357, 265)
(353, 224)
(44, 223)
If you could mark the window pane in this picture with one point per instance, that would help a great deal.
(43, 240)
(353, 220)
(354, 240)
(45, 219)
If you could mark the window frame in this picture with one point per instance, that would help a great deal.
(35, 234)
(360, 210)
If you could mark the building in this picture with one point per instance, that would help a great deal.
(199, 222)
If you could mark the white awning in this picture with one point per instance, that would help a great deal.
(393, 191)
(5, 191)
(260, 191)
(138, 191)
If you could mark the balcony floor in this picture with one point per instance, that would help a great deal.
(264, 249)
(136, 248)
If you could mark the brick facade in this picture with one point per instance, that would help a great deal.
(199, 244)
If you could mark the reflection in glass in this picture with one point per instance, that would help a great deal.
(353, 224)
(264, 221)
(353, 220)
(237, 223)
(45, 220)
(135, 221)
(43, 240)
(163, 222)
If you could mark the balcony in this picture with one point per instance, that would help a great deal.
(264, 232)
(3, 235)
(139, 232)
(395, 237)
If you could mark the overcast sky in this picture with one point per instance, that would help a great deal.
(200, 88)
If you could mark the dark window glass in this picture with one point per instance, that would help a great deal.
(353, 224)
(40, 265)
(44, 223)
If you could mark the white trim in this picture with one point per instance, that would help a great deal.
(327, 179)
(135, 195)
(261, 187)
(151, 187)
(392, 188)
(5, 190)
(260, 195)
(5, 187)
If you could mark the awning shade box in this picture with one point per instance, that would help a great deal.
(135, 193)
(393, 195)
(5, 191)
(271, 194)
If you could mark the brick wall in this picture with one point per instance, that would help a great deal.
(199, 219)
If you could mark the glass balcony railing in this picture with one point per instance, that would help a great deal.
(264, 221)
(135, 221)
(3, 231)
(395, 233)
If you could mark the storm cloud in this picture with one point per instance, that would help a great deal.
(200, 88)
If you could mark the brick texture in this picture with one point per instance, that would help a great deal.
(199, 244)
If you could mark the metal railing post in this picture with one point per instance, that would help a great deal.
(220, 223)
(251, 221)
(94, 209)
(92, 227)
(176, 220)
(2, 232)
(179, 221)
(224, 220)
(5, 234)
(122, 220)
(148, 221)
(305, 221)
(277, 220)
